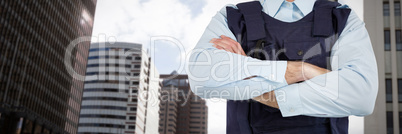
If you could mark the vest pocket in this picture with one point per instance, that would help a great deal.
(302, 50)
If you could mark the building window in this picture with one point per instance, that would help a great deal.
(104, 98)
(101, 90)
(386, 9)
(400, 121)
(102, 116)
(400, 91)
(133, 109)
(390, 123)
(131, 127)
(387, 40)
(98, 49)
(100, 125)
(398, 37)
(104, 107)
(388, 89)
(132, 117)
(397, 11)
(386, 13)
(397, 8)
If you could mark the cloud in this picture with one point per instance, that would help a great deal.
(194, 6)
(138, 21)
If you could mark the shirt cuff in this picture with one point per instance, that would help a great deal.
(288, 100)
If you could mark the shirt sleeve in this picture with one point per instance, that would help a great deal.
(349, 89)
(216, 73)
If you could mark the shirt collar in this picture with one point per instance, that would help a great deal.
(271, 7)
(305, 6)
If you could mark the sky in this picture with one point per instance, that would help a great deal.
(168, 29)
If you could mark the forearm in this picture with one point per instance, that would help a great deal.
(268, 99)
(210, 69)
(229, 73)
(343, 92)
(295, 72)
(335, 94)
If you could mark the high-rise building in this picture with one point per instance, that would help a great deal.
(153, 95)
(37, 94)
(181, 111)
(168, 110)
(121, 91)
(384, 24)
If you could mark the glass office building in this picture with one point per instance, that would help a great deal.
(121, 92)
(181, 111)
(37, 94)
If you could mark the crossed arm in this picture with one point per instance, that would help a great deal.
(296, 88)
(296, 71)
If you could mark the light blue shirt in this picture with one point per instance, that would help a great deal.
(349, 89)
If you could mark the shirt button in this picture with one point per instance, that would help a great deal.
(300, 52)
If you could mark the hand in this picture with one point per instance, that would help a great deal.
(227, 44)
(296, 71)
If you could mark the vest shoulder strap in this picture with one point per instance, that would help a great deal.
(251, 12)
(327, 18)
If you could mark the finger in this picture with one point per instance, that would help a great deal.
(218, 47)
(230, 39)
(227, 44)
(241, 50)
(227, 41)
(238, 48)
(212, 40)
(224, 45)
(233, 44)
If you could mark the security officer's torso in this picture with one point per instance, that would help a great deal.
(309, 39)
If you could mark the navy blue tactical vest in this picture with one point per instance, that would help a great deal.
(309, 39)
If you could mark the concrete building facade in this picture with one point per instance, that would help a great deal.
(119, 84)
(168, 110)
(383, 22)
(37, 92)
(187, 113)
